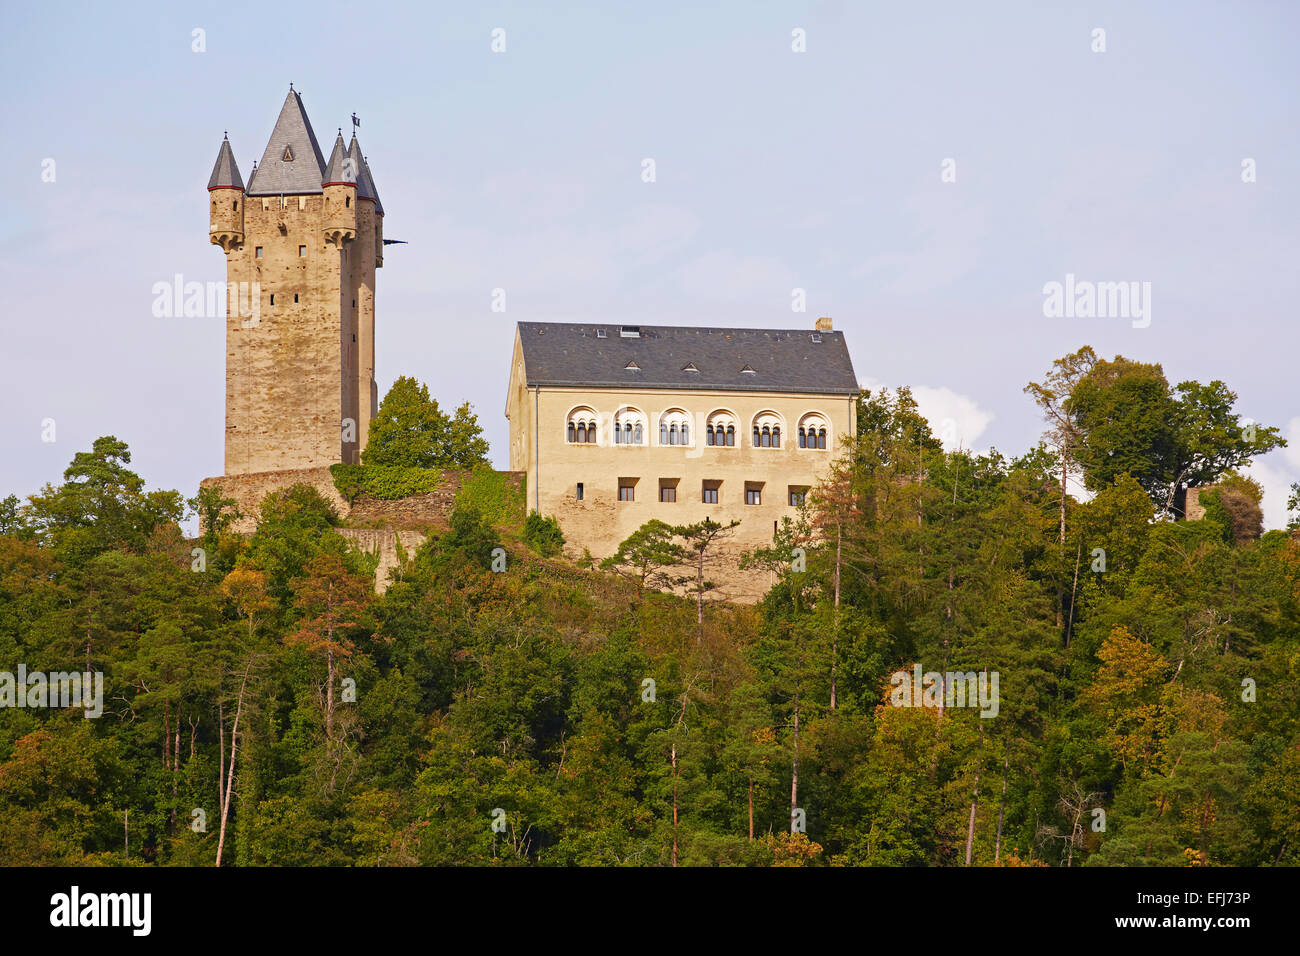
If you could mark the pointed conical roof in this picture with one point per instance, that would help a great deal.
(339, 171)
(292, 163)
(374, 190)
(225, 174)
(365, 182)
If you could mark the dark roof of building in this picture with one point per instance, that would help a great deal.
(226, 171)
(292, 163)
(365, 182)
(661, 356)
(338, 171)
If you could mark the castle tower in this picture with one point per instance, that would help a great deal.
(226, 195)
(300, 262)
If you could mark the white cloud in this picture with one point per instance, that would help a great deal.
(956, 420)
(1275, 472)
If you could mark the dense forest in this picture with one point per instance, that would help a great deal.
(262, 706)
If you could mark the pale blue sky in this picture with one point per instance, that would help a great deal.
(775, 170)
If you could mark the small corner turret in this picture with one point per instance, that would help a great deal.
(226, 201)
(340, 188)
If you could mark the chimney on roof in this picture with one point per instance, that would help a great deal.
(823, 324)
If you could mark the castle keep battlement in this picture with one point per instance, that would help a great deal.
(306, 236)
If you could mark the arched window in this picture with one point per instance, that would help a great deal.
(628, 426)
(674, 427)
(767, 430)
(581, 427)
(812, 430)
(720, 428)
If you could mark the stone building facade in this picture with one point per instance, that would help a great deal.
(616, 425)
(302, 243)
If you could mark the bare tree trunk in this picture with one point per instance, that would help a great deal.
(974, 803)
(1074, 590)
(230, 772)
(329, 694)
(699, 595)
(126, 829)
(1064, 476)
(221, 744)
(970, 826)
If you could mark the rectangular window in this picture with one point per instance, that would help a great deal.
(579, 493)
(667, 494)
(798, 494)
(753, 496)
(302, 252)
(257, 252)
(626, 492)
(709, 493)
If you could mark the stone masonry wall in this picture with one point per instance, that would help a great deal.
(383, 542)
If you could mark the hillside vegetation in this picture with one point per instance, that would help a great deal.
(263, 707)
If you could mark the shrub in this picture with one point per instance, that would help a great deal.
(386, 482)
(491, 494)
(543, 535)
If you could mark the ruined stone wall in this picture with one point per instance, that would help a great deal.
(1193, 510)
(413, 512)
(383, 542)
(433, 507)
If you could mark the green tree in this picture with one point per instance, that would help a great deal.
(1168, 440)
(543, 535)
(101, 505)
(646, 556)
(412, 431)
